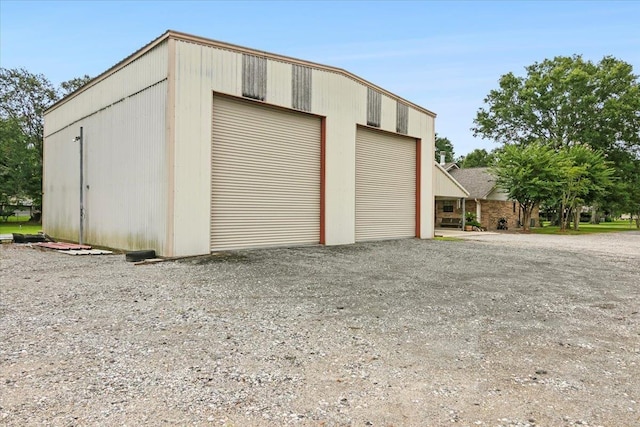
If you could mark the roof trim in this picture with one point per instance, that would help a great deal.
(494, 189)
(176, 35)
(450, 165)
(112, 70)
(438, 165)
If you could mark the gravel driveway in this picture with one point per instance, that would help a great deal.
(498, 330)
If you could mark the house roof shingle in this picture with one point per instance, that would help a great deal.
(449, 166)
(477, 181)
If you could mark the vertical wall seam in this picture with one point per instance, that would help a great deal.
(323, 173)
(170, 137)
(418, 186)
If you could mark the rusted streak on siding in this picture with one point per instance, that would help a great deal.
(374, 107)
(402, 118)
(254, 77)
(301, 87)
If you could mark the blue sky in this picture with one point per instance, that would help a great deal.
(444, 56)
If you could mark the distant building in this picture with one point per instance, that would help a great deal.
(485, 199)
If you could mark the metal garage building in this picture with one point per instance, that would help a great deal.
(192, 145)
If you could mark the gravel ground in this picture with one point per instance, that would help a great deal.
(498, 330)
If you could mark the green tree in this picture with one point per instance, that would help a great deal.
(634, 195)
(625, 182)
(72, 85)
(19, 175)
(478, 158)
(24, 97)
(443, 144)
(564, 101)
(530, 174)
(629, 192)
(586, 178)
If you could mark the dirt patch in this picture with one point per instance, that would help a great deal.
(214, 258)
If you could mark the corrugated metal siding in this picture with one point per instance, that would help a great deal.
(340, 98)
(61, 182)
(146, 71)
(444, 185)
(343, 102)
(265, 178)
(421, 125)
(279, 84)
(385, 186)
(199, 72)
(124, 169)
(388, 114)
(218, 70)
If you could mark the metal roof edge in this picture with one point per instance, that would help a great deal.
(229, 46)
(452, 178)
(176, 35)
(111, 70)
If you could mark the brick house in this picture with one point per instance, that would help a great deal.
(485, 199)
(447, 191)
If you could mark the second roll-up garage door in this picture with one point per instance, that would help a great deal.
(265, 176)
(385, 185)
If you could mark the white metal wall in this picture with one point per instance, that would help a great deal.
(344, 103)
(124, 172)
(385, 185)
(144, 72)
(265, 176)
(61, 185)
(124, 118)
(423, 127)
(445, 185)
(202, 70)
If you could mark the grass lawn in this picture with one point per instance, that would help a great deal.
(22, 227)
(18, 219)
(586, 228)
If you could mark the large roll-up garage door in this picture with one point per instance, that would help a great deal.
(385, 185)
(265, 176)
